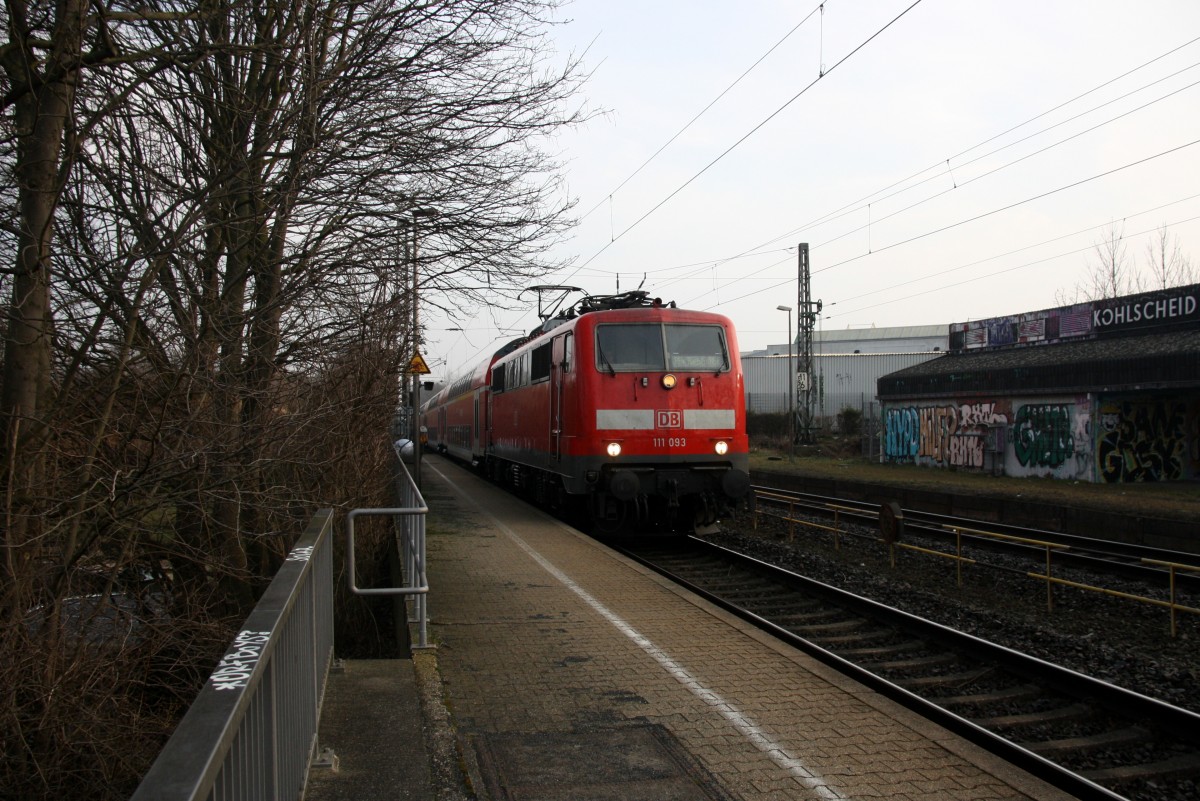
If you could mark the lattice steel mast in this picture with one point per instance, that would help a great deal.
(806, 312)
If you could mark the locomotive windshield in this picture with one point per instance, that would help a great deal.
(655, 348)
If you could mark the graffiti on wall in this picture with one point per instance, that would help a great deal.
(902, 433)
(952, 435)
(1043, 435)
(1148, 439)
(1141, 438)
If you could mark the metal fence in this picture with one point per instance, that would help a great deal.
(410, 542)
(252, 730)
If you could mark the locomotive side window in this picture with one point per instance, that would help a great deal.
(498, 378)
(697, 347)
(623, 348)
(540, 367)
(520, 376)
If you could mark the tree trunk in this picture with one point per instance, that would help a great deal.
(43, 101)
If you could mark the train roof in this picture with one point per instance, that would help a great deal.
(589, 304)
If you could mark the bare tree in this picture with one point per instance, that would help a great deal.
(41, 61)
(1110, 272)
(216, 351)
(1166, 263)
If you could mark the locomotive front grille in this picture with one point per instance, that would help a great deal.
(626, 483)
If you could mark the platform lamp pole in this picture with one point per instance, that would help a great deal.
(791, 388)
(417, 214)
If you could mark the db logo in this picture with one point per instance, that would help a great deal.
(668, 418)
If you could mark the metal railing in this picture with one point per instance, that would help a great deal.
(252, 730)
(410, 542)
(793, 521)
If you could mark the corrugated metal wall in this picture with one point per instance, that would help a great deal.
(841, 380)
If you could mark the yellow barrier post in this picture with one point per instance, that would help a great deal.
(958, 554)
(1173, 605)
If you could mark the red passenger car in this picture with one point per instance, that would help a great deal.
(628, 408)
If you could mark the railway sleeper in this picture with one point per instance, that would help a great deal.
(916, 663)
(793, 608)
(741, 586)
(811, 619)
(765, 598)
(870, 635)
(836, 625)
(942, 680)
(1017, 692)
(1056, 715)
(1177, 767)
(1080, 745)
(867, 652)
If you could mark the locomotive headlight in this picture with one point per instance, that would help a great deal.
(722, 448)
(614, 449)
(668, 381)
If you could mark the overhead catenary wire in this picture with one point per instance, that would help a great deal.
(1023, 266)
(791, 279)
(879, 195)
(995, 170)
(958, 185)
(947, 166)
(745, 136)
(1023, 248)
(609, 196)
(1010, 206)
(969, 220)
(873, 220)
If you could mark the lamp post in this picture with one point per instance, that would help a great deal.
(417, 214)
(791, 388)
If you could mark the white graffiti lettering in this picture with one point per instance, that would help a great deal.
(234, 670)
(980, 414)
(966, 451)
(300, 554)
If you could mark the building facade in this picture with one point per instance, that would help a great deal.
(1105, 391)
(847, 364)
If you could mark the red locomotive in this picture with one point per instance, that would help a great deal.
(628, 408)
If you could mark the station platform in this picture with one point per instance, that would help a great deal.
(562, 670)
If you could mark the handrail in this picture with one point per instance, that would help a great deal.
(1049, 547)
(252, 729)
(410, 525)
(792, 520)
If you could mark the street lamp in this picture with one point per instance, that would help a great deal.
(791, 391)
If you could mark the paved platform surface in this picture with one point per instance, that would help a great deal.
(569, 672)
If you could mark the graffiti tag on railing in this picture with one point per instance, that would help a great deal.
(300, 554)
(234, 670)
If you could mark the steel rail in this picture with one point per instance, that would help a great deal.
(1121, 558)
(1122, 703)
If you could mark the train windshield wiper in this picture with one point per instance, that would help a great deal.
(600, 352)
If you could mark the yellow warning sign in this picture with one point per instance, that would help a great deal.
(418, 365)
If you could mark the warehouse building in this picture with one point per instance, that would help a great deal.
(847, 365)
(1105, 391)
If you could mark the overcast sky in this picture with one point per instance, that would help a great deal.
(945, 161)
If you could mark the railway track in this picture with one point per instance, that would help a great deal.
(1128, 560)
(1086, 736)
